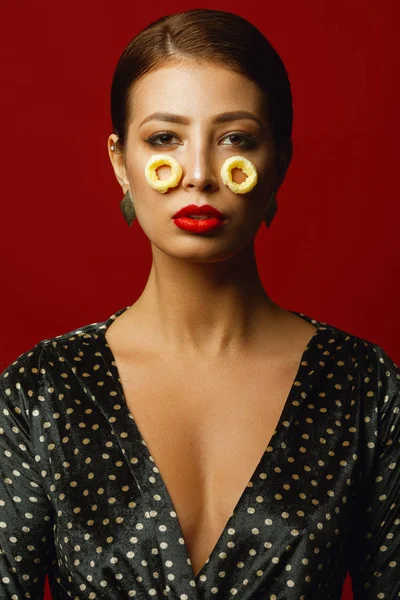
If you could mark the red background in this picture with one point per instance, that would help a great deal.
(68, 258)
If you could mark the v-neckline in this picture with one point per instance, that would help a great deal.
(321, 328)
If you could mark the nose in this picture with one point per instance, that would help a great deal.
(199, 171)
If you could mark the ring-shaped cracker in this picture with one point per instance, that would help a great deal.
(239, 162)
(162, 185)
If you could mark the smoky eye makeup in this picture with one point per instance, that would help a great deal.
(245, 141)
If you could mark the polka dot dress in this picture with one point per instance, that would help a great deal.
(81, 497)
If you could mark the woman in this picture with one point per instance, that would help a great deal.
(202, 442)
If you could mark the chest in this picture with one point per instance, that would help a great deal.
(206, 429)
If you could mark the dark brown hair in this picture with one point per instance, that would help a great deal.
(212, 35)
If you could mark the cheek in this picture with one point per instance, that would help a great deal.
(238, 176)
(136, 172)
(133, 167)
(163, 172)
(136, 169)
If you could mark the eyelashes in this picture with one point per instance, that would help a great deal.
(248, 142)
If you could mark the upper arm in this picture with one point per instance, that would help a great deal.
(374, 550)
(25, 511)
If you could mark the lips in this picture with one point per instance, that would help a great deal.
(206, 210)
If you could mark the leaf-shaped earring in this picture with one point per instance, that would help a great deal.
(127, 208)
(271, 209)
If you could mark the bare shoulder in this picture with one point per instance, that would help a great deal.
(286, 336)
(285, 333)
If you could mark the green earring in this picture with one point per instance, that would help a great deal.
(127, 208)
(272, 207)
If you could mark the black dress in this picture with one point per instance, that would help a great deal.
(82, 499)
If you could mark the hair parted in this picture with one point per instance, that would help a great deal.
(210, 35)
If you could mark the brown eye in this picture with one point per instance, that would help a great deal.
(163, 137)
(246, 141)
(234, 136)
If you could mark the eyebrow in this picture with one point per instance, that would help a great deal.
(226, 117)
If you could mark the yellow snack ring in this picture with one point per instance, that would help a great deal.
(162, 185)
(239, 162)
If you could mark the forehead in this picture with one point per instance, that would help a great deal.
(196, 89)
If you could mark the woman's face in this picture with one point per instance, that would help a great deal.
(199, 93)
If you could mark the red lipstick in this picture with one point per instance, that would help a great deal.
(183, 218)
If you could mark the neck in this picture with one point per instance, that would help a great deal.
(200, 309)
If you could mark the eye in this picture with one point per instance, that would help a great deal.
(152, 140)
(248, 141)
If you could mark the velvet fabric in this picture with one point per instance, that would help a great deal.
(82, 499)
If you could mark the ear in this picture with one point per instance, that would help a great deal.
(117, 160)
(283, 160)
